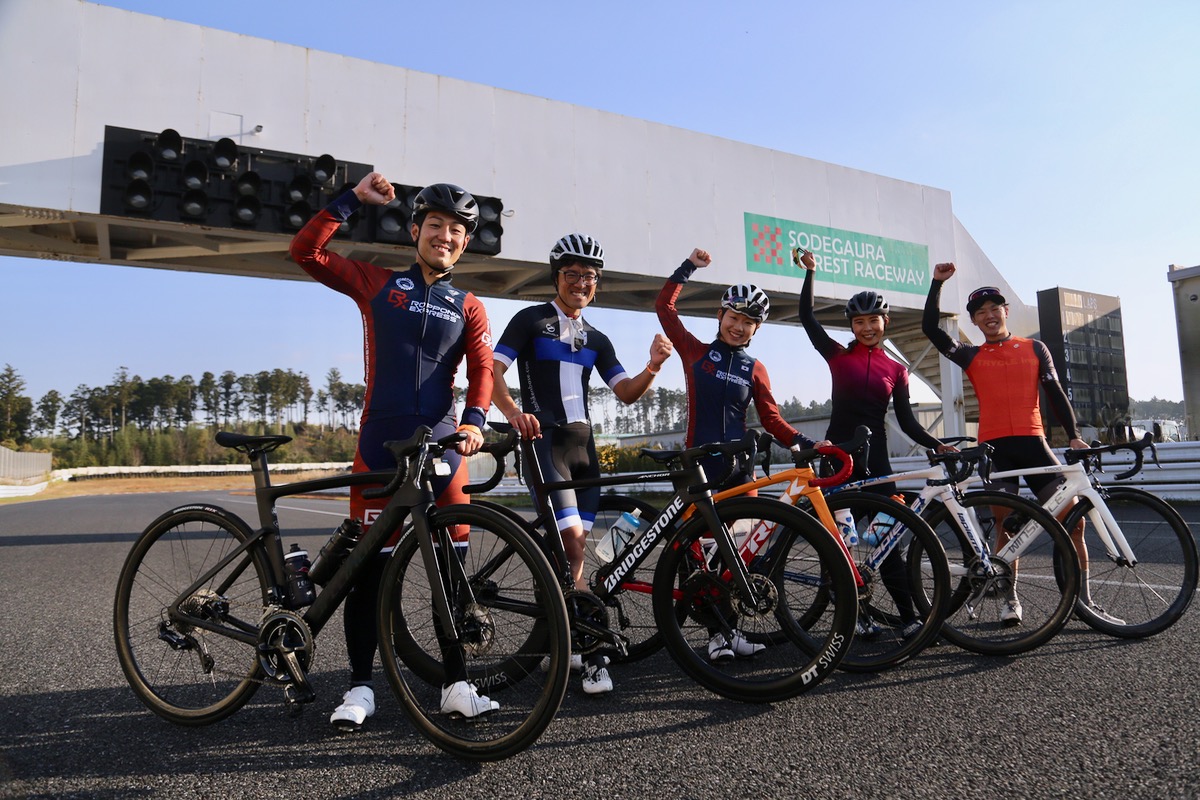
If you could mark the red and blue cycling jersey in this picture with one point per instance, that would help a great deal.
(721, 380)
(414, 335)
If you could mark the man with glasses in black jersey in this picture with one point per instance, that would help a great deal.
(556, 351)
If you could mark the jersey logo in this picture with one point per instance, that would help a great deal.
(405, 283)
(486, 338)
(398, 299)
(709, 367)
(745, 367)
(549, 330)
(452, 295)
(715, 356)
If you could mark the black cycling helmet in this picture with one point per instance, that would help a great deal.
(449, 198)
(865, 304)
(576, 247)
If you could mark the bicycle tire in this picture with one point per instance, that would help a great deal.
(912, 586)
(198, 677)
(1047, 590)
(512, 621)
(1152, 595)
(692, 600)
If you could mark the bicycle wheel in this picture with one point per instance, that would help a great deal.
(631, 606)
(978, 616)
(906, 589)
(748, 652)
(1150, 596)
(186, 674)
(513, 629)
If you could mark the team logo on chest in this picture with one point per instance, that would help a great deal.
(405, 283)
(715, 356)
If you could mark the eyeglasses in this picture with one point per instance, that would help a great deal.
(586, 278)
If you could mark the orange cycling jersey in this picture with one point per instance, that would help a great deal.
(1006, 376)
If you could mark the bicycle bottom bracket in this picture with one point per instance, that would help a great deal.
(283, 634)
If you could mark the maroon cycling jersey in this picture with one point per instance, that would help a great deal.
(414, 335)
(721, 380)
(864, 381)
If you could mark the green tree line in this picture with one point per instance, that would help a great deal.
(133, 421)
(165, 420)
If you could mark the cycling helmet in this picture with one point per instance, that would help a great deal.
(748, 299)
(449, 198)
(577, 247)
(865, 304)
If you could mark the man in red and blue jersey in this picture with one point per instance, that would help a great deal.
(417, 329)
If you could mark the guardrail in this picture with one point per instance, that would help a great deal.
(1176, 477)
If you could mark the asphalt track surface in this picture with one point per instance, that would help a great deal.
(1085, 716)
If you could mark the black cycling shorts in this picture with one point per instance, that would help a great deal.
(568, 452)
(1022, 452)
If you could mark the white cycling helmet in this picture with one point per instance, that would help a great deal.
(577, 247)
(747, 299)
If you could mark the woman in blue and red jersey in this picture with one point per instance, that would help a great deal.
(722, 380)
(417, 328)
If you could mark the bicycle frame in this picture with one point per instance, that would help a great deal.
(1078, 483)
(410, 494)
(944, 485)
(692, 490)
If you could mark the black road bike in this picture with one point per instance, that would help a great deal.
(203, 616)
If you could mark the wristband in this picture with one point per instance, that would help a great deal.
(651, 370)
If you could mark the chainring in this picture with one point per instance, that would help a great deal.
(287, 631)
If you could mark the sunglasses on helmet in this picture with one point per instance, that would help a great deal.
(743, 305)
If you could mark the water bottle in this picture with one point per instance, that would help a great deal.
(335, 551)
(300, 588)
(878, 529)
(615, 539)
(846, 527)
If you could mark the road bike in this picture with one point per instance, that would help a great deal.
(701, 587)
(1142, 560)
(985, 577)
(893, 626)
(203, 614)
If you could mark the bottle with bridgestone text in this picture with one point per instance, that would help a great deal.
(299, 586)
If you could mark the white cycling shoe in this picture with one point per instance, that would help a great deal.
(721, 649)
(464, 700)
(357, 705)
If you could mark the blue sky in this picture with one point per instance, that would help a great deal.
(1064, 131)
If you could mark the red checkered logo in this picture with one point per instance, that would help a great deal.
(766, 243)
